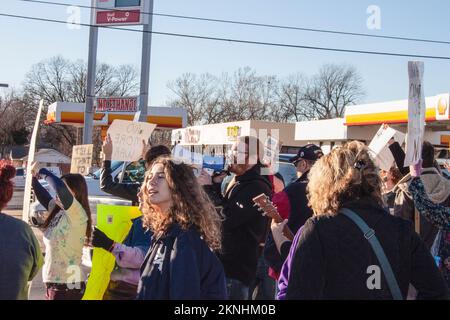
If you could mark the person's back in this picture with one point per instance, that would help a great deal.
(437, 188)
(20, 258)
(20, 254)
(334, 258)
(344, 262)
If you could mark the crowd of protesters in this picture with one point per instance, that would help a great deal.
(360, 233)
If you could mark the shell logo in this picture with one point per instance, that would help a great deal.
(442, 106)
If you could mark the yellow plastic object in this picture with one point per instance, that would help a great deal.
(115, 222)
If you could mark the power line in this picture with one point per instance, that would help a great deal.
(274, 26)
(237, 40)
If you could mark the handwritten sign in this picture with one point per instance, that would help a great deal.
(31, 152)
(81, 159)
(416, 113)
(378, 146)
(127, 138)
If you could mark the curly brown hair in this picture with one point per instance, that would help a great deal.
(347, 173)
(191, 206)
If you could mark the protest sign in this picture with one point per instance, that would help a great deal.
(115, 222)
(81, 159)
(31, 152)
(378, 146)
(416, 113)
(127, 138)
(183, 154)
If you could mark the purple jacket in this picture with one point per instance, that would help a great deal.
(286, 268)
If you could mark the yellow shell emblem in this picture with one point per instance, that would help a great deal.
(442, 106)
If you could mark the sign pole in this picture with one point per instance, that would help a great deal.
(145, 63)
(90, 81)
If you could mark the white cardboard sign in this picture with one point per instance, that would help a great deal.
(31, 152)
(127, 138)
(416, 113)
(81, 159)
(378, 146)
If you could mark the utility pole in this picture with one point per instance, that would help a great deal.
(90, 85)
(145, 64)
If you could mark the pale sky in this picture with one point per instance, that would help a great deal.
(24, 42)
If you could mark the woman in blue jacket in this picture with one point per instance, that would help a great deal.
(181, 263)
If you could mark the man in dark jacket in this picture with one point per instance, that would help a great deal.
(244, 228)
(292, 204)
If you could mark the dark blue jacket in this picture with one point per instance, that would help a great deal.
(138, 237)
(181, 266)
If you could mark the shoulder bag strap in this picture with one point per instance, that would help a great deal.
(369, 234)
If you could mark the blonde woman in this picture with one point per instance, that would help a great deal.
(181, 263)
(334, 259)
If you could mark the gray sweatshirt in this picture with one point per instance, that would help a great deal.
(20, 258)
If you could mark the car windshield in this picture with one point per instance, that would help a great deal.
(114, 166)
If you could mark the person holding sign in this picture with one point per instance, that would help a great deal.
(129, 254)
(181, 263)
(127, 191)
(436, 214)
(66, 230)
(438, 190)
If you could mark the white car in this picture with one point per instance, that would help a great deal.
(19, 179)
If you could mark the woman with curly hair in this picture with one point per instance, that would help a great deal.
(181, 263)
(334, 259)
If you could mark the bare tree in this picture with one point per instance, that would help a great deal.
(290, 99)
(196, 95)
(244, 95)
(331, 90)
(16, 119)
(248, 96)
(58, 79)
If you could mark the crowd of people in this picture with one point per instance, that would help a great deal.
(358, 233)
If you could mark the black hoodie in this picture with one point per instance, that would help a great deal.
(244, 227)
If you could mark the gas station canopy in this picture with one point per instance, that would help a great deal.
(69, 113)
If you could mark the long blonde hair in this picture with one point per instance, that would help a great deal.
(346, 173)
(191, 206)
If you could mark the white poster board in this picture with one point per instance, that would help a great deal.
(271, 154)
(416, 113)
(183, 154)
(81, 159)
(379, 149)
(127, 139)
(31, 152)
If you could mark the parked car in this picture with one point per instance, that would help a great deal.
(19, 179)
